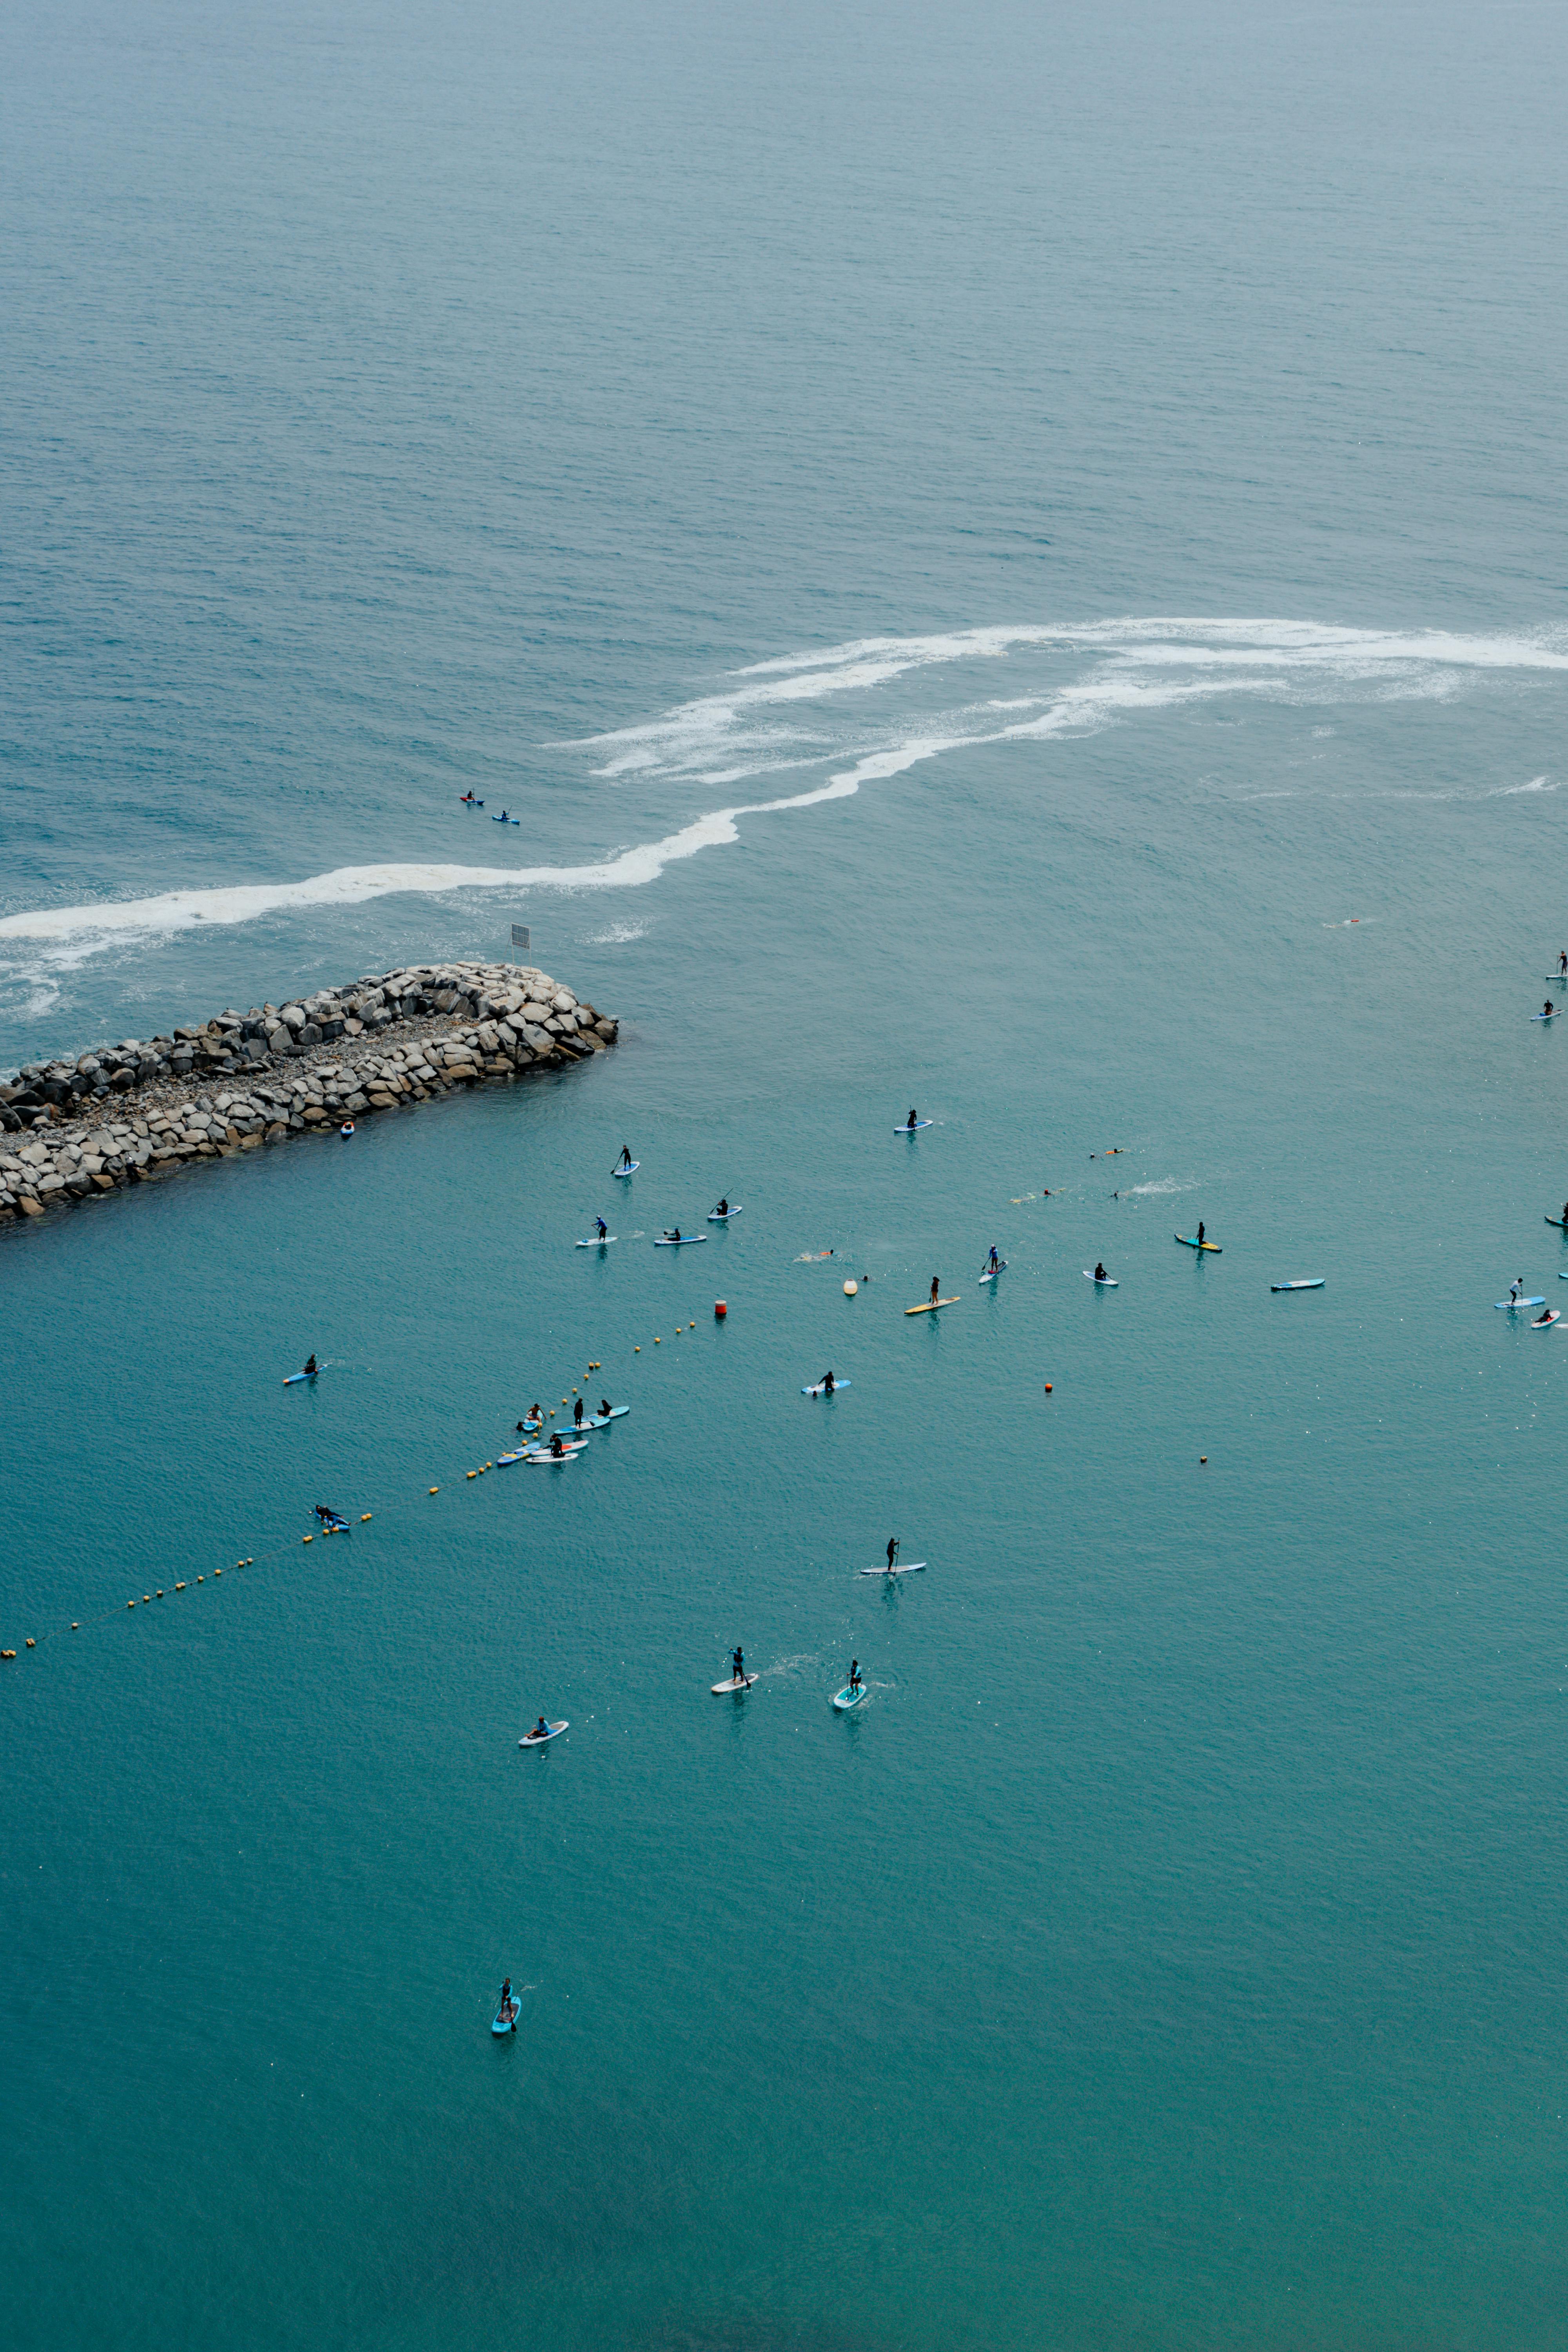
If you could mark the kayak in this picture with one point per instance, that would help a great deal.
(1509, 1306)
(1316, 1285)
(505, 2019)
(735, 1683)
(913, 1568)
(1543, 1322)
(598, 1241)
(722, 1216)
(626, 1172)
(603, 1420)
(820, 1388)
(929, 1309)
(506, 820)
(1101, 1281)
(908, 1129)
(992, 1272)
(289, 1378)
(538, 1738)
(1190, 1240)
(678, 1240)
(846, 1699)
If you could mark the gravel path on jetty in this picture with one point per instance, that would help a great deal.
(128, 1113)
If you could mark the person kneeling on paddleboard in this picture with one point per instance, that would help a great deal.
(1100, 1273)
(723, 1208)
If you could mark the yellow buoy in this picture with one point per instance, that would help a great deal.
(636, 1351)
(130, 1604)
(179, 1588)
(200, 1580)
(31, 1643)
(656, 1340)
(217, 1571)
(75, 1627)
(363, 1516)
(160, 1592)
(435, 1490)
(147, 1596)
(304, 1539)
(473, 1474)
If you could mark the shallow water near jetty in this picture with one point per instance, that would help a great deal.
(1168, 1951)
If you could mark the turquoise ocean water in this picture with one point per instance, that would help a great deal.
(1101, 472)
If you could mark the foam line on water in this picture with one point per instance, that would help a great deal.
(845, 719)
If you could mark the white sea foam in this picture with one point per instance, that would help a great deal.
(842, 709)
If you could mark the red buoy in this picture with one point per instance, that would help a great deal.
(720, 1310)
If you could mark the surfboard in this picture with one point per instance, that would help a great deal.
(722, 1216)
(913, 1568)
(598, 1241)
(1101, 1281)
(506, 2016)
(846, 1699)
(820, 1388)
(538, 1738)
(1316, 1285)
(1189, 1242)
(1512, 1306)
(678, 1240)
(745, 1683)
(603, 1420)
(992, 1272)
(626, 1172)
(907, 1129)
(931, 1306)
(1544, 1322)
(289, 1378)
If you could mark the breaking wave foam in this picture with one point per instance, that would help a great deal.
(837, 706)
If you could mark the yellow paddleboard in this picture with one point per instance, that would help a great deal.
(931, 1306)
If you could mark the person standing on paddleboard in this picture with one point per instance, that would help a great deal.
(1516, 1291)
(935, 1288)
(577, 1414)
(892, 1552)
(854, 1673)
(994, 1261)
(1200, 1233)
(625, 1157)
(603, 1228)
(739, 1662)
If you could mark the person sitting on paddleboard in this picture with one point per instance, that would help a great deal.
(311, 1364)
(540, 1729)
(1547, 1010)
(892, 1552)
(672, 1236)
(723, 1208)
(739, 1662)
(625, 1159)
(1100, 1273)
(603, 1228)
(854, 1673)
(604, 1408)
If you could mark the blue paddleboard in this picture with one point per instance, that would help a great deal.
(819, 1390)
(1510, 1305)
(907, 1129)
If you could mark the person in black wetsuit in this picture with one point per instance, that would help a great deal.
(604, 1408)
(311, 1367)
(1100, 1273)
(577, 1414)
(935, 1288)
(1200, 1233)
(892, 1552)
(739, 1662)
(557, 1446)
(723, 1208)
(828, 1383)
(625, 1159)
(603, 1228)
(912, 1120)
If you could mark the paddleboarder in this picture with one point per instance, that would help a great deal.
(935, 1288)
(913, 1120)
(310, 1368)
(577, 1414)
(603, 1228)
(1200, 1233)
(1100, 1273)
(994, 1264)
(855, 1682)
(739, 1662)
(892, 1552)
(723, 1208)
(625, 1159)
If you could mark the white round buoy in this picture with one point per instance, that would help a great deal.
(851, 1288)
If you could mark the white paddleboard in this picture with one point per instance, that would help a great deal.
(1545, 1016)
(745, 1683)
(542, 1452)
(538, 1738)
(1315, 1285)
(992, 1272)
(1101, 1281)
(599, 1241)
(626, 1172)
(672, 1241)
(1512, 1306)
(1544, 1322)
(820, 1388)
(717, 1218)
(908, 1129)
(913, 1568)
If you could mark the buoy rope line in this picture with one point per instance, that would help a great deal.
(282, 1551)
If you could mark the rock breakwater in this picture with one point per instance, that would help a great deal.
(124, 1114)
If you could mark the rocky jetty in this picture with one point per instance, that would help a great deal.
(123, 1113)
